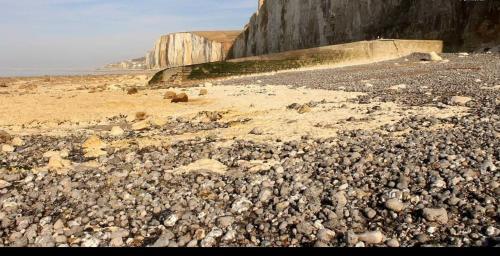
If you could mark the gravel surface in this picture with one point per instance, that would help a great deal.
(404, 80)
(419, 182)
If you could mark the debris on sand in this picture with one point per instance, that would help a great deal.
(460, 100)
(5, 137)
(169, 95)
(203, 92)
(204, 166)
(141, 125)
(93, 147)
(116, 131)
(139, 116)
(132, 91)
(181, 97)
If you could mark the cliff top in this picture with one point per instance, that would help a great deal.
(218, 36)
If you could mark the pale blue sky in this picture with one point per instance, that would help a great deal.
(54, 34)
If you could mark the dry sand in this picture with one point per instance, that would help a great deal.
(62, 105)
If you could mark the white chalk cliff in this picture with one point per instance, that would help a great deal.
(283, 25)
(187, 48)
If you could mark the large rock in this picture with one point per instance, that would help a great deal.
(181, 97)
(290, 24)
(304, 109)
(94, 142)
(434, 57)
(58, 164)
(241, 205)
(116, 131)
(18, 142)
(49, 154)
(142, 125)
(169, 95)
(158, 121)
(374, 237)
(4, 184)
(93, 147)
(7, 148)
(5, 137)
(265, 195)
(326, 235)
(460, 100)
(225, 221)
(428, 56)
(203, 92)
(394, 205)
(132, 90)
(204, 166)
(139, 116)
(439, 215)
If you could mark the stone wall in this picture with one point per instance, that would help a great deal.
(283, 25)
(355, 53)
(187, 48)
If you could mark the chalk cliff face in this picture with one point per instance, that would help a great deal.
(150, 59)
(138, 64)
(282, 25)
(187, 48)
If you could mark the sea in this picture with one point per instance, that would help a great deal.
(30, 72)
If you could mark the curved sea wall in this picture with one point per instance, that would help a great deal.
(284, 25)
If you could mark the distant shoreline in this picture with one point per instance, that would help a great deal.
(13, 73)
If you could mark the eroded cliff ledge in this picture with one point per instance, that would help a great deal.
(283, 25)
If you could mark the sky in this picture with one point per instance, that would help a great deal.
(46, 35)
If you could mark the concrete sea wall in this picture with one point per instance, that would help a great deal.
(334, 55)
(355, 52)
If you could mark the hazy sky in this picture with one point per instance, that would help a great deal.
(54, 34)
